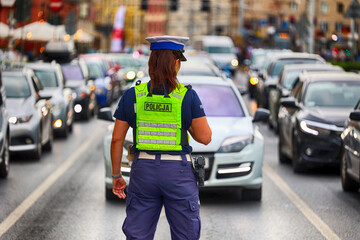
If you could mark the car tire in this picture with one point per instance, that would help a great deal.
(38, 151)
(48, 146)
(252, 194)
(282, 157)
(348, 184)
(297, 166)
(4, 166)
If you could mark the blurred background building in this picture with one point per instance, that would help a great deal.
(269, 23)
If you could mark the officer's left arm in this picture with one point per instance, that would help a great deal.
(117, 142)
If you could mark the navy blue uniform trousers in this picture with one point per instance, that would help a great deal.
(157, 183)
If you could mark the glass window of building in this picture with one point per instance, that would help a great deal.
(324, 26)
(324, 7)
(338, 27)
(293, 6)
(340, 7)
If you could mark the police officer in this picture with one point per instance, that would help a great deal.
(160, 112)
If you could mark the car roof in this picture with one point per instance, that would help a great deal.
(311, 67)
(329, 76)
(14, 72)
(295, 55)
(42, 65)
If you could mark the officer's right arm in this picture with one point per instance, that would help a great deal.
(117, 142)
(200, 130)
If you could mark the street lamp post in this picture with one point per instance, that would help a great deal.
(353, 12)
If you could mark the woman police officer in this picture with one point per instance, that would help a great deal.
(161, 112)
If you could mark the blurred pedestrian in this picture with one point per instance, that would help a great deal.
(161, 113)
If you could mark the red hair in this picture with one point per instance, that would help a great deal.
(162, 70)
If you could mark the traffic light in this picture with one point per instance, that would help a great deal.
(173, 5)
(205, 6)
(144, 5)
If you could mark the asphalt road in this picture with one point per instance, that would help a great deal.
(62, 196)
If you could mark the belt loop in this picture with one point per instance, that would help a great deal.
(136, 157)
(157, 159)
(184, 160)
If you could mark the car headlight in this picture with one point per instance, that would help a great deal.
(140, 74)
(254, 81)
(236, 144)
(15, 120)
(130, 75)
(234, 62)
(315, 128)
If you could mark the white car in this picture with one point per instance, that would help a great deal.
(234, 157)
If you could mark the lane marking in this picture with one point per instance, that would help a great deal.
(323, 228)
(42, 188)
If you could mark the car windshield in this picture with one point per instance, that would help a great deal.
(218, 49)
(219, 101)
(72, 72)
(47, 78)
(290, 78)
(94, 70)
(16, 87)
(332, 94)
(278, 66)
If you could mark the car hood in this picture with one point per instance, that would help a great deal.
(50, 92)
(223, 128)
(18, 107)
(223, 59)
(336, 116)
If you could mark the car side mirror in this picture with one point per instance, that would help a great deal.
(262, 115)
(105, 114)
(355, 115)
(289, 102)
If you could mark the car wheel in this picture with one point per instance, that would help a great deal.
(282, 157)
(65, 132)
(38, 151)
(252, 194)
(71, 126)
(297, 166)
(348, 184)
(49, 144)
(4, 166)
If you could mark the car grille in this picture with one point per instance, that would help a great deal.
(209, 156)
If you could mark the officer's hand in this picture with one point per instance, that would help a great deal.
(119, 185)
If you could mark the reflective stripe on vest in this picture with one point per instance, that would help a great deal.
(158, 119)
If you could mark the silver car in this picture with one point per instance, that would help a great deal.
(30, 115)
(234, 158)
(62, 102)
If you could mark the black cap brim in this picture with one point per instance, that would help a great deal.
(183, 58)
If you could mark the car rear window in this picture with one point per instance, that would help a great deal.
(72, 72)
(278, 66)
(47, 78)
(219, 101)
(332, 94)
(16, 87)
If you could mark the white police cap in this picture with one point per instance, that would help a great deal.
(168, 42)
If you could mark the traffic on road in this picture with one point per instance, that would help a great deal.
(283, 163)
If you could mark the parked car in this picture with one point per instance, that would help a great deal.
(286, 80)
(61, 99)
(234, 158)
(350, 158)
(76, 78)
(30, 114)
(312, 119)
(274, 69)
(4, 133)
